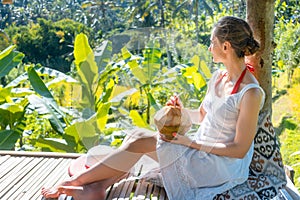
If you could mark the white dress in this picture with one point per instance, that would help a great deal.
(195, 175)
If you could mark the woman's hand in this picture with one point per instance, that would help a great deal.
(178, 139)
(175, 101)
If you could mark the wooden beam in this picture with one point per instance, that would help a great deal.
(40, 154)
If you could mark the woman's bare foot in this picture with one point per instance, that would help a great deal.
(92, 191)
(53, 192)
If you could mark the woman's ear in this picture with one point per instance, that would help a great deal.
(226, 45)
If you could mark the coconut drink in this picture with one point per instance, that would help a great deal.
(171, 119)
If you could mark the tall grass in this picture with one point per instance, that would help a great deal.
(286, 111)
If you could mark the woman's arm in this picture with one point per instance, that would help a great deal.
(245, 130)
(196, 115)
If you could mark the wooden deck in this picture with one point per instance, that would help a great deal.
(22, 175)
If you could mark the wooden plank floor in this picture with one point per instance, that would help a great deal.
(22, 175)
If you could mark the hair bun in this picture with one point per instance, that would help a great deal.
(252, 46)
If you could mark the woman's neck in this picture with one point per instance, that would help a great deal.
(235, 68)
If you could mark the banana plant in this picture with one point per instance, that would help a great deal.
(92, 103)
(192, 77)
(45, 104)
(146, 71)
(9, 58)
(11, 121)
(95, 79)
(150, 76)
(11, 113)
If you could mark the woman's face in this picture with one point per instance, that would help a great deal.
(216, 49)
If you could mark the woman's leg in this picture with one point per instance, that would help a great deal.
(114, 165)
(120, 161)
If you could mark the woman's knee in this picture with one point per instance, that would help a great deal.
(141, 142)
(137, 134)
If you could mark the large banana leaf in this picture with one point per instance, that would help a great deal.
(53, 144)
(87, 70)
(10, 113)
(8, 139)
(5, 95)
(20, 92)
(194, 77)
(103, 104)
(9, 59)
(19, 80)
(145, 68)
(102, 114)
(151, 64)
(138, 120)
(84, 133)
(134, 64)
(201, 65)
(46, 105)
(81, 48)
(58, 76)
(152, 102)
(37, 84)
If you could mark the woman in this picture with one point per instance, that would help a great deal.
(219, 155)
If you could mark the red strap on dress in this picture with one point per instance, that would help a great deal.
(239, 81)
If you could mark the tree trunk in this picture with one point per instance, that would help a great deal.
(260, 16)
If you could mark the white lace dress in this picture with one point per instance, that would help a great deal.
(190, 174)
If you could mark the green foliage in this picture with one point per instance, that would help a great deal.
(12, 110)
(107, 91)
(9, 58)
(290, 150)
(8, 139)
(81, 124)
(106, 18)
(288, 108)
(287, 11)
(10, 113)
(47, 43)
(156, 80)
(82, 135)
(87, 70)
(287, 52)
(4, 40)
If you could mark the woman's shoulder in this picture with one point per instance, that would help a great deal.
(251, 86)
(254, 90)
